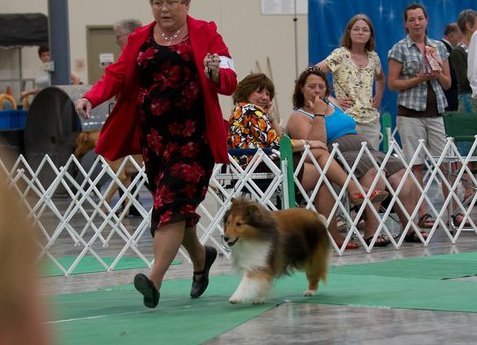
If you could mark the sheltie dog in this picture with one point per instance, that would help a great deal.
(267, 244)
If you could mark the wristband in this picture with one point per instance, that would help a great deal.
(319, 115)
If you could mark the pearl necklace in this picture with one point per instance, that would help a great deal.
(170, 38)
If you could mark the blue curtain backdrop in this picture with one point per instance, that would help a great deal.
(327, 19)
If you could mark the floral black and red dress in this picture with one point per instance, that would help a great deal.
(176, 153)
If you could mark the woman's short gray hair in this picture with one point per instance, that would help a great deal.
(187, 2)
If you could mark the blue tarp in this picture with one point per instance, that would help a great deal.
(327, 19)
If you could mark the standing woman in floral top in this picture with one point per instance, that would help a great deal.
(166, 82)
(355, 66)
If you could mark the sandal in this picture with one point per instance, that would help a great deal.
(412, 237)
(456, 223)
(468, 194)
(381, 241)
(426, 221)
(356, 198)
(349, 245)
(376, 196)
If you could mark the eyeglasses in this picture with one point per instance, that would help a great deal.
(364, 30)
(167, 3)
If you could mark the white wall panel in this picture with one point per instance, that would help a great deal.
(251, 36)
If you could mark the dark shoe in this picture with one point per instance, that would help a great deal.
(200, 280)
(146, 287)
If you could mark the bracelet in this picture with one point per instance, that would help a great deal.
(319, 115)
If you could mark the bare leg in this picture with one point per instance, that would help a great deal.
(335, 173)
(468, 190)
(408, 195)
(324, 203)
(418, 171)
(372, 222)
(167, 241)
(195, 249)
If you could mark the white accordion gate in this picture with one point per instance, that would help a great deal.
(79, 223)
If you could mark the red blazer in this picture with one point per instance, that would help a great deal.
(120, 134)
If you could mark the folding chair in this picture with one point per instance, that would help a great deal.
(462, 127)
(255, 172)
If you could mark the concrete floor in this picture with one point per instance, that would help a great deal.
(323, 324)
(312, 323)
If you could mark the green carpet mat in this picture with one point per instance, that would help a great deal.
(116, 315)
(89, 264)
(428, 267)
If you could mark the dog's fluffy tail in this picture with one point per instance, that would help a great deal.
(321, 256)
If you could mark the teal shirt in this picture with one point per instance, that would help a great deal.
(337, 124)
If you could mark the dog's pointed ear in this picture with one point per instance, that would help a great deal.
(253, 210)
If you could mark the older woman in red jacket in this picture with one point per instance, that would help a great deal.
(166, 82)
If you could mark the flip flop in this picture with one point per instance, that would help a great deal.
(376, 196)
(349, 245)
(457, 224)
(381, 241)
(412, 237)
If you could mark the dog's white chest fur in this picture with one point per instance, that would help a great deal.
(247, 255)
(251, 256)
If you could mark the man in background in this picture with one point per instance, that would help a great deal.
(472, 63)
(123, 28)
(452, 37)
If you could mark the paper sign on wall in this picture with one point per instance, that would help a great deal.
(284, 7)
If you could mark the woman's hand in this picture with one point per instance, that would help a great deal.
(376, 102)
(269, 110)
(345, 103)
(83, 107)
(212, 64)
(319, 106)
(318, 144)
(425, 77)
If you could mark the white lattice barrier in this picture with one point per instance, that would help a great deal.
(79, 223)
